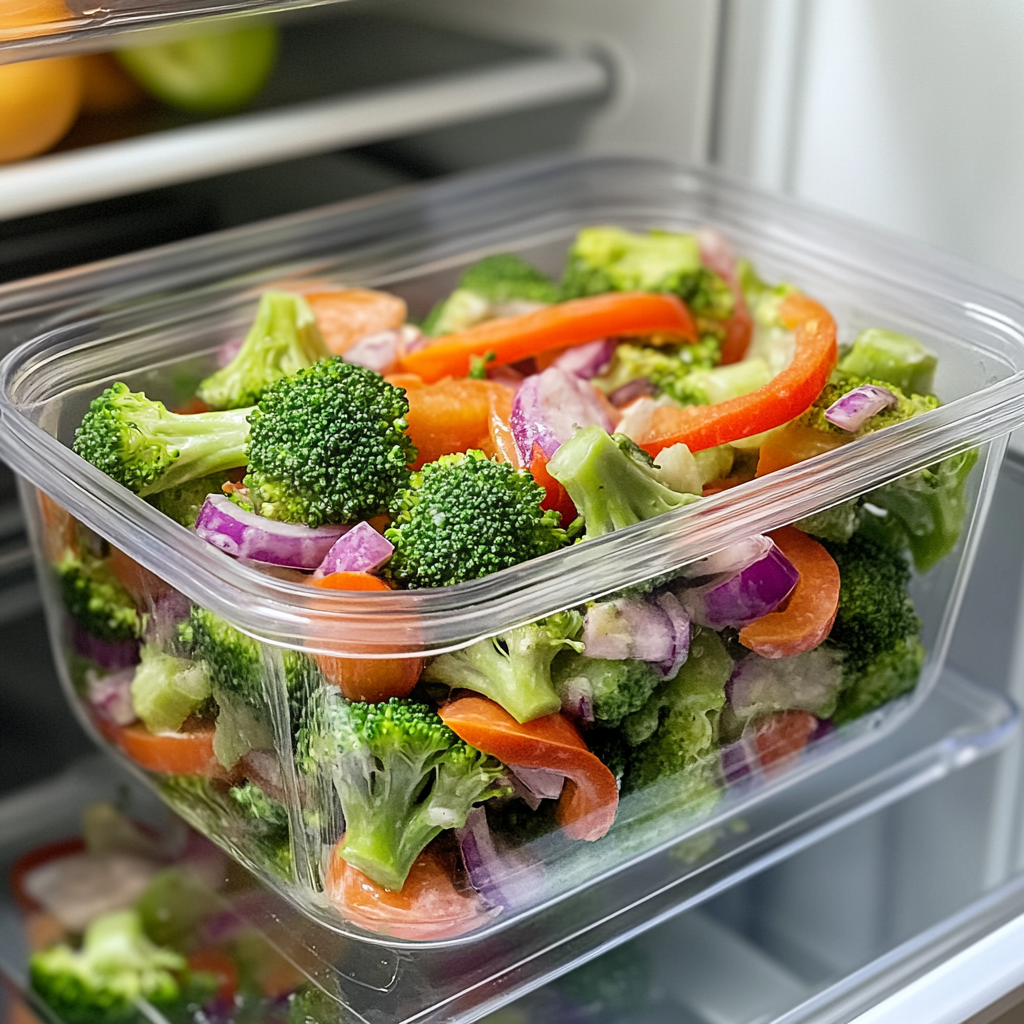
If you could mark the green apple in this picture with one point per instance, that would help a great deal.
(215, 72)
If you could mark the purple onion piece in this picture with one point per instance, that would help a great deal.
(856, 407)
(588, 360)
(739, 761)
(111, 695)
(228, 351)
(383, 351)
(169, 608)
(577, 701)
(716, 253)
(246, 535)
(112, 656)
(638, 387)
(745, 596)
(549, 407)
(822, 731)
(735, 558)
(502, 880)
(541, 782)
(362, 549)
(654, 629)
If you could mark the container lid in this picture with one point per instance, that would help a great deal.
(418, 236)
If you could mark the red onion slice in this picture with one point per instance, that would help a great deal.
(383, 351)
(549, 407)
(745, 596)
(856, 407)
(588, 360)
(362, 549)
(502, 880)
(654, 629)
(541, 782)
(111, 696)
(119, 654)
(735, 558)
(246, 535)
(638, 387)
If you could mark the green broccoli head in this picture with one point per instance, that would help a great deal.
(611, 688)
(889, 675)
(312, 1005)
(147, 449)
(466, 516)
(514, 668)
(492, 287)
(930, 507)
(609, 259)
(841, 383)
(612, 481)
(232, 659)
(183, 502)
(401, 774)
(117, 967)
(265, 821)
(95, 598)
(283, 339)
(900, 361)
(875, 612)
(665, 366)
(329, 445)
(678, 726)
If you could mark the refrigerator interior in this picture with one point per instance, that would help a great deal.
(849, 104)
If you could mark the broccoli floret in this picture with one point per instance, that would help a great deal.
(174, 906)
(513, 669)
(930, 506)
(147, 449)
(116, 968)
(96, 600)
(896, 359)
(612, 688)
(466, 516)
(283, 339)
(401, 774)
(838, 523)
(612, 481)
(495, 286)
(678, 726)
(329, 445)
(890, 675)
(183, 502)
(608, 259)
(254, 823)
(840, 384)
(875, 612)
(664, 366)
(232, 659)
(166, 690)
(312, 1005)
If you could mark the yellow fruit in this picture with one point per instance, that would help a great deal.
(22, 18)
(39, 101)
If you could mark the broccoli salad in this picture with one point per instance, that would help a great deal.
(345, 446)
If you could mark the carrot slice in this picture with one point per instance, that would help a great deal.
(783, 398)
(453, 415)
(167, 753)
(811, 609)
(344, 315)
(428, 906)
(560, 326)
(367, 679)
(590, 798)
(783, 735)
(500, 423)
(557, 496)
(142, 584)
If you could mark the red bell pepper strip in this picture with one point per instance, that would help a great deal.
(557, 496)
(562, 325)
(783, 398)
(586, 808)
(808, 614)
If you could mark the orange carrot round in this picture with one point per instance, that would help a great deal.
(806, 618)
(783, 735)
(428, 906)
(367, 679)
(344, 315)
(590, 798)
(562, 325)
(167, 753)
(784, 397)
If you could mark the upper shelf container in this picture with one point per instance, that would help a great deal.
(46, 28)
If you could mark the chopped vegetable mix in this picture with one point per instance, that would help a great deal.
(352, 453)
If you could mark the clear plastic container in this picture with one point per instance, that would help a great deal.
(414, 244)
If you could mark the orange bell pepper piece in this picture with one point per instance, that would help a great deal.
(783, 398)
(590, 798)
(563, 325)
